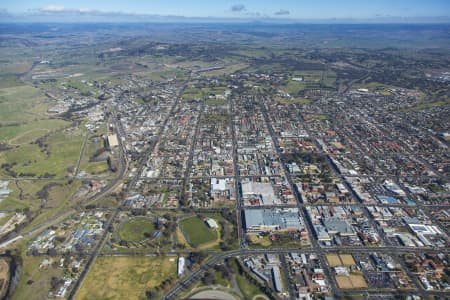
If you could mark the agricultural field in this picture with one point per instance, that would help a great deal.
(11, 70)
(228, 69)
(126, 277)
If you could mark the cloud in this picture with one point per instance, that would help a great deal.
(4, 12)
(254, 14)
(282, 12)
(53, 8)
(61, 11)
(238, 8)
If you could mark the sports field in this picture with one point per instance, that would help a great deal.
(197, 232)
(134, 230)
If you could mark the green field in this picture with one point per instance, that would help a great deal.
(29, 195)
(26, 133)
(216, 102)
(126, 277)
(27, 198)
(23, 120)
(88, 164)
(192, 94)
(197, 232)
(201, 93)
(10, 71)
(134, 230)
(293, 87)
(22, 104)
(34, 283)
(57, 158)
(167, 74)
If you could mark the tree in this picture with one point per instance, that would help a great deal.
(207, 278)
(54, 283)
(150, 294)
(52, 252)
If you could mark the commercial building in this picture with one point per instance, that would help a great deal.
(264, 220)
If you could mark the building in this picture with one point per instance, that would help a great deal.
(181, 264)
(113, 141)
(277, 279)
(265, 220)
(211, 223)
(336, 226)
(220, 188)
(263, 191)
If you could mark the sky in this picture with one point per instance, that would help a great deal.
(244, 9)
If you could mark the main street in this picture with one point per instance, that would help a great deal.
(131, 185)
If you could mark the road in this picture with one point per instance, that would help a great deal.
(218, 257)
(237, 179)
(83, 147)
(321, 252)
(143, 160)
(316, 247)
(111, 186)
(191, 156)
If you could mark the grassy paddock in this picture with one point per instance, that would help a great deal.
(125, 277)
(22, 104)
(40, 279)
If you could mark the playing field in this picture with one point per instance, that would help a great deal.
(333, 260)
(197, 232)
(134, 230)
(126, 277)
(347, 260)
(353, 281)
